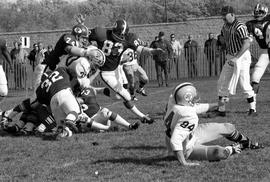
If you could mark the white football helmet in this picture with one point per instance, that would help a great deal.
(185, 94)
(95, 55)
(80, 67)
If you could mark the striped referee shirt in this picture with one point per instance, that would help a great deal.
(234, 34)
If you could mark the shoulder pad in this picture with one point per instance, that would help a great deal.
(133, 40)
(69, 39)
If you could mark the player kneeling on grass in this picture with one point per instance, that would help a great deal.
(186, 138)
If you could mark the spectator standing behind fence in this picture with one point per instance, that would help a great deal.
(19, 57)
(212, 53)
(177, 49)
(162, 60)
(32, 56)
(191, 54)
(49, 50)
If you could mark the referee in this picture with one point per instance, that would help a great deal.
(238, 60)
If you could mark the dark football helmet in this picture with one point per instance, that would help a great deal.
(260, 11)
(80, 31)
(120, 29)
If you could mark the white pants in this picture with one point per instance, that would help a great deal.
(260, 66)
(114, 80)
(244, 78)
(130, 70)
(62, 103)
(3, 83)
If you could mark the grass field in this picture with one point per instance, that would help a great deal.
(137, 155)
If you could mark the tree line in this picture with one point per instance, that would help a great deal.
(25, 15)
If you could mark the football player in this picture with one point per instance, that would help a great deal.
(129, 60)
(69, 44)
(55, 91)
(4, 56)
(97, 117)
(113, 42)
(258, 28)
(186, 138)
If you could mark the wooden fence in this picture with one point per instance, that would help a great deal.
(22, 75)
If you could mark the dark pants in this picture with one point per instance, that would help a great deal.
(20, 75)
(159, 67)
(213, 66)
(192, 68)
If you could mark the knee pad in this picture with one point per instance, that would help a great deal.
(255, 87)
(128, 104)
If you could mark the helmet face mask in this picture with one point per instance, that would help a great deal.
(120, 29)
(186, 94)
(260, 11)
(81, 33)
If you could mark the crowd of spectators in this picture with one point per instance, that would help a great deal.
(25, 63)
(212, 56)
(167, 63)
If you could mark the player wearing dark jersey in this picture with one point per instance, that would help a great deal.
(113, 42)
(69, 44)
(258, 29)
(4, 56)
(98, 117)
(55, 91)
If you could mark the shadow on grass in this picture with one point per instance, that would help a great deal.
(141, 147)
(140, 161)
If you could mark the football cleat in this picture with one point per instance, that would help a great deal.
(134, 126)
(141, 91)
(147, 119)
(252, 113)
(248, 144)
(64, 132)
(236, 148)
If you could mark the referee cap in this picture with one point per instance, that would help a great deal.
(226, 10)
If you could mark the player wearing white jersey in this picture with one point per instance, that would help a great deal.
(186, 137)
(131, 67)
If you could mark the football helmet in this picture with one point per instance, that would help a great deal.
(80, 30)
(185, 94)
(95, 55)
(80, 68)
(120, 29)
(260, 11)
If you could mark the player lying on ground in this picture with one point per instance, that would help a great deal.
(55, 91)
(186, 138)
(92, 117)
